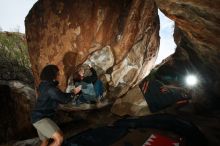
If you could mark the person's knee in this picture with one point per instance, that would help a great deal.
(44, 142)
(58, 138)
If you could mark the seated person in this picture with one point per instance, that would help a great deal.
(91, 86)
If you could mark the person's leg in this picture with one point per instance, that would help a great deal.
(47, 129)
(82, 99)
(58, 139)
(87, 99)
(98, 88)
(44, 142)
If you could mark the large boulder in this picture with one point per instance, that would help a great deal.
(197, 29)
(122, 38)
(16, 100)
(132, 104)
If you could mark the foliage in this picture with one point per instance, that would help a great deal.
(13, 48)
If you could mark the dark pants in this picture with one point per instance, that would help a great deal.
(99, 88)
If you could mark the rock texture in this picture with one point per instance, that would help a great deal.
(16, 103)
(121, 37)
(197, 37)
(28, 142)
(132, 104)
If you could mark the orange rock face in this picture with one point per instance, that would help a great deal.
(66, 32)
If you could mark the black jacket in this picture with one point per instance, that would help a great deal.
(91, 79)
(50, 96)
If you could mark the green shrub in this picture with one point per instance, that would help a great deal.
(13, 48)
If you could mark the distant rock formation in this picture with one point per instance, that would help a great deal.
(122, 38)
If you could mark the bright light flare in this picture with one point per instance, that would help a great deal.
(191, 80)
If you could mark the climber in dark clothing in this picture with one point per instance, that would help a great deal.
(50, 96)
(91, 87)
(88, 79)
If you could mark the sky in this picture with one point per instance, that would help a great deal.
(13, 13)
(167, 44)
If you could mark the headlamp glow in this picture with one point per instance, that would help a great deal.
(191, 80)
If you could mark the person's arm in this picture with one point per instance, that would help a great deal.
(77, 89)
(69, 88)
(92, 78)
(60, 96)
